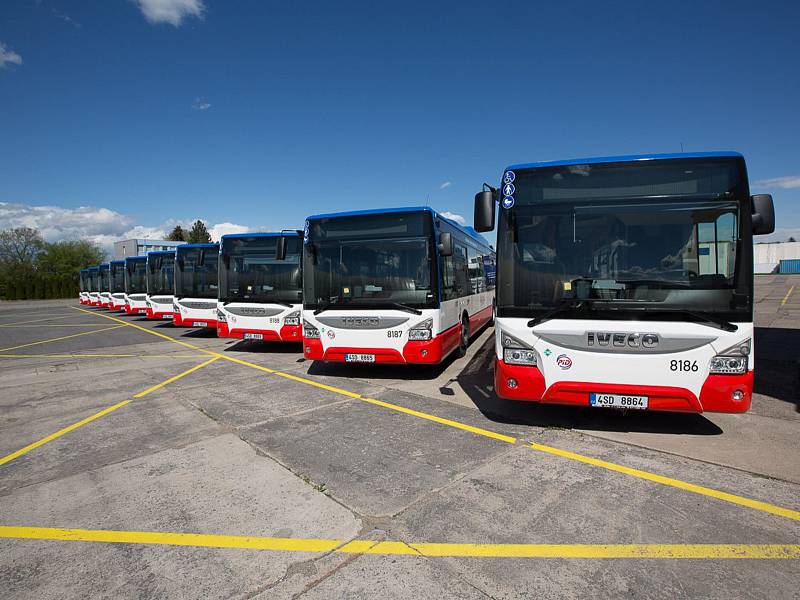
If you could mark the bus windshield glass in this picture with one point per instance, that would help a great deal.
(160, 274)
(91, 279)
(103, 279)
(376, 260)
(249, 271)
(196, 272)
(135, 276)
(116, 274)
(652, 235)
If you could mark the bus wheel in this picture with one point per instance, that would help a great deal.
(463, 342)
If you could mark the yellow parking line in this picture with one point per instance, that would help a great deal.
(786, 297)
(35, 321)
(754, 504)
(676, 483)
(65, 337)
(98, 355)
(49, 326)
(8, 458)
(564, 551)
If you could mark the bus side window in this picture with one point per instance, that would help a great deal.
(460, 268)
(477, 278)
(448, 279)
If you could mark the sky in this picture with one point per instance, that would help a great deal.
(122, 118)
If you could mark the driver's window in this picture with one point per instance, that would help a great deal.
(716, 246)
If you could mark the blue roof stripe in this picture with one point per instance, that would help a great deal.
(211, 245)
(117, 262)
(469, 231)
(154, 252)
(137, 257)
(624, 158)
(291, 233)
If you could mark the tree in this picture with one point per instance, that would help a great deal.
(177, 234)
(199, 234)
(68, 257)
(19, 248)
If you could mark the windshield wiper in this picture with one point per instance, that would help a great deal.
(709, 320)
(404, 307)
(560, 309)
(325, 306)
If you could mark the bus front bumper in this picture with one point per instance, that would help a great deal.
(156, 315)
(287, 333)
(198, 322)
(513, 382)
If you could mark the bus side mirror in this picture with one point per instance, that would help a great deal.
(763, 214)
(280, 248)
(445, 244)
(484, 211)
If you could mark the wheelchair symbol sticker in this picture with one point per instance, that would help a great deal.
(509, 177)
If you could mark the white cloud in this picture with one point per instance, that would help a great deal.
(445, 184)
(201, 104)
(171, 11)
(454, 217)
(102, 226)
(784, 183)
(8, 57)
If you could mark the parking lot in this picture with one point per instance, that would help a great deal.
(142, 460)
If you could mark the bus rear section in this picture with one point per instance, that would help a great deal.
(403, 286)
(627, 282)
(160, 284)
(83, 297)
(104, 286)
(116, 278)
(136, 285)
(196, 285)
(93, 282)
(260, 287)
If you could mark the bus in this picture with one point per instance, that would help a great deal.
(116, 278)
(401, 285)
(626, 282)
(83, 298)
(160, 284)
(196, 277)
(136, 285)
(260, 286)
(93, 284)
(104, 286)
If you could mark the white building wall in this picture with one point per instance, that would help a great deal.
(766, 257)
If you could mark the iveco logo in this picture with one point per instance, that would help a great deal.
(361, 321)
(622, 340)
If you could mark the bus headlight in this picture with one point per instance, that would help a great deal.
(421, 332)
(293, 318)
(221, 316)
(517, 352)
(309, 331)
(728, 365)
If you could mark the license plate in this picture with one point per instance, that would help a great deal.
(618, 401)
(365, 358)
(199, 324)
(254, 336)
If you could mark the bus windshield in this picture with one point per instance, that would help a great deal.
(626, 236)
(160, 274)
(249, 271)
(135, 280)
(196, 272)
(91, 279)
(103, 282)
(375, 260)
(116, 273)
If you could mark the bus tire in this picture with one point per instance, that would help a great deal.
(463, 340)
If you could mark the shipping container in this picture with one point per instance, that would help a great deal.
(789, 265)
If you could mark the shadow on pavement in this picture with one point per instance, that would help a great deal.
(201, 332)
(777, 369)
(371, 371)
(476, 381)
(266, 347)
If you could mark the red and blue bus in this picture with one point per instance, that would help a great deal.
(196, 285)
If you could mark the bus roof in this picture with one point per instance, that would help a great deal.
(103, 265)
(208, 245)
(161, 252)
(93, 268)
(137, 257)
(287, 233)
(117, 262)
(466, 229)
(86, 270)
(624, 158)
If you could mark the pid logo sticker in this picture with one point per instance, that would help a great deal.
(331, 334)
(564, 361)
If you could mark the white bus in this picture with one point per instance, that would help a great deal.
(160, 284)
(116, 278)
(260, 287)
(93, 292)
(104, 286)
(196, 276)
(136, 285)
(400, 285)
(627, 282)
(85, 286)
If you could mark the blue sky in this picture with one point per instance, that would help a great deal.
(122, 116)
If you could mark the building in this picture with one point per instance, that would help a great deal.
(767, 257)
(140, 247)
